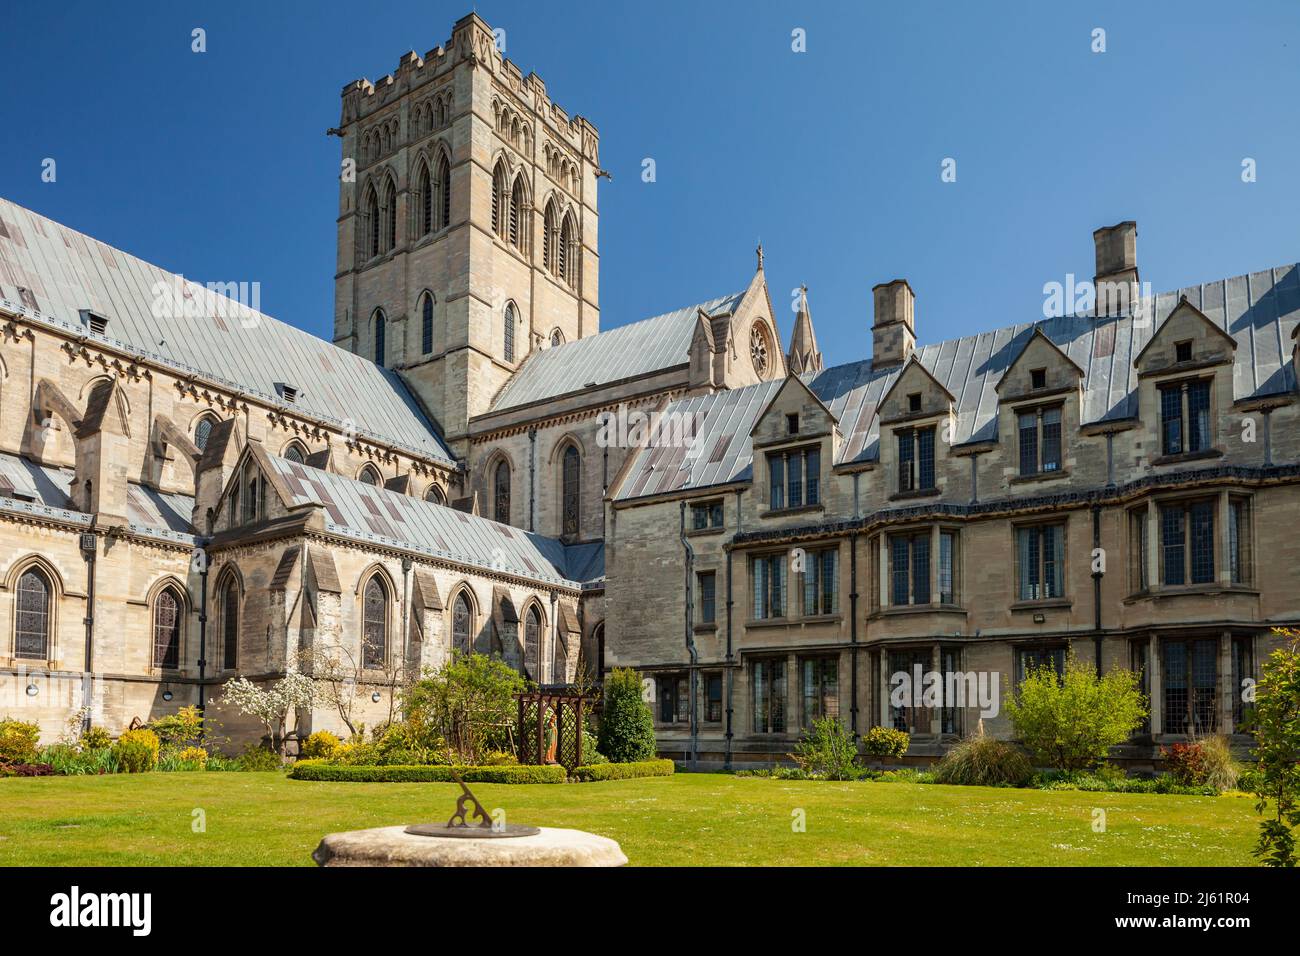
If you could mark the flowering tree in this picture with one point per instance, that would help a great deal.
(270, 705)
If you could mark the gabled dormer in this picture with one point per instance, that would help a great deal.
(915, 428)
(795, 441)
(1185, 387)
(253, 494)
(1039, 401)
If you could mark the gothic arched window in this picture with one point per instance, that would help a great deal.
(461, 621)
(370, 222)
(374, 629)
(167, 628)
(508, 348)
(369, 476)
(572, 482)
(425, 200)
(518, 224)
(444, 192)
(500, 198)
(557, 337)
(565, 252)
(549, 225)
(532, 641)
(230, 625)
(203, 431)
(390, 216)
(426, 324)
(32, 620)
(436, 495)
(294, 454)
(501, 493)
(380, 323)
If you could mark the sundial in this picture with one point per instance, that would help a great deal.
(467, 806)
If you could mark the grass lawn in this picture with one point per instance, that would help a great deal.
(685, 820)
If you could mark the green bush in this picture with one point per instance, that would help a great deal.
(627, 728)
(885, 742)
(1201, 763)
(623, 771)
(1072, 720)
(500, 758)
(179, 729)
(828, 751)
(1092, 782)
(591, 754)
(136, 751)
(96, 738)
(321, 744)
(905, 775)
(522, 773)
(18, 741)
(983, 761)
(255, 758)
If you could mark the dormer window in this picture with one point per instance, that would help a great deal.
(792, 424)
(794, 478)
(1039, 432)
(1185, 417)
(914, 402)
(96, 323)
(1038, 378)
(1183, 351)
(915, 459)
(287, 392)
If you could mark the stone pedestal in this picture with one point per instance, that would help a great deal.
(393, 846)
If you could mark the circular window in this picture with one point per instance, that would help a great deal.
(759, 348)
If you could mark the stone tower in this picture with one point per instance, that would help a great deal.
(467, 226)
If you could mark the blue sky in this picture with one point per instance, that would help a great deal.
(216, 165)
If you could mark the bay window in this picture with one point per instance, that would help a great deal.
(909, 568)
(767, 585)
(821, 694)
(768, 681)
(1187, 543)
(820, 582)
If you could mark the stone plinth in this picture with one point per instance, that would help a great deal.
(393, 846)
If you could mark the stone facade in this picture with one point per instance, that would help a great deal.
(967, 508)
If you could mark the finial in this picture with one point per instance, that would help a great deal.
(759, 250)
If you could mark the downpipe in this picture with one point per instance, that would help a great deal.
(690, 641)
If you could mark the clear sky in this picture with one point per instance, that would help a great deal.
(217, 164)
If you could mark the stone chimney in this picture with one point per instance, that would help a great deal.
(893, 336)
(1116, 281)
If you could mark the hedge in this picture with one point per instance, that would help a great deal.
(624, 771)
(433, 773)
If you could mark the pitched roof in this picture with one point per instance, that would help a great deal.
(1260, 311)
(640, 348)
(50, 273)
(362, 512)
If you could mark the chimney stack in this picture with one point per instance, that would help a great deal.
(893, 335)
(1116, 281)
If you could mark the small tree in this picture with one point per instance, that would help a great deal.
(270, 705)
(1277, 748)
(469, 704)
(828, 750)
(627, 727)
(1070, 721)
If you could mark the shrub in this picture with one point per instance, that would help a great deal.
(523, 773)
(828, 750)
(180, 728)
(499, 758)
(1277, 738)
(885, 742)
(1206, 762)
(1072, 720)
(18, 741)
(96, 738)
(467, 707)
(905, 775)
(625, 771)
(196, 757)
(983, 761)
(255, 758)
(321, 744)
(26, 770)
(627, 728)
(136, 751)
(591, 754)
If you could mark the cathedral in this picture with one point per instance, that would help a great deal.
(192, 491)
